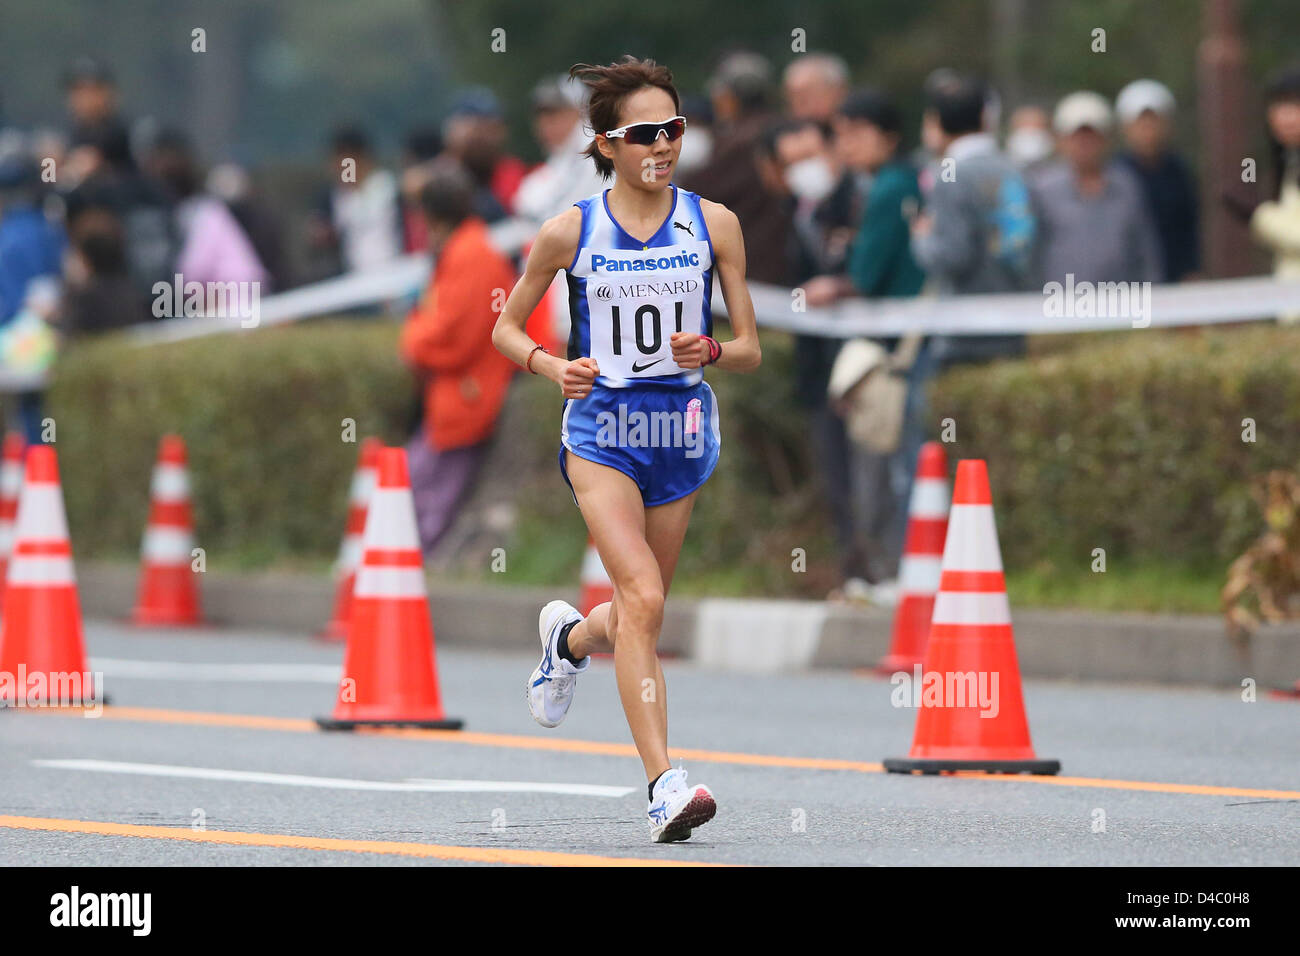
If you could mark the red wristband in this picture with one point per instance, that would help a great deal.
(529, 364)
(715, 349)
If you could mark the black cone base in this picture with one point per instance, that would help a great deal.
(910, 765)
(329, 723)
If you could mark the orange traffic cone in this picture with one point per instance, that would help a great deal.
(42, 651)
(389, 674)
(363, 483)
(1287, 692)
(594, 579)
(169, 591)
(11, 483)
(978, 720)
(918, 575)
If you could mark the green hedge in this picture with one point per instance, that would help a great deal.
(261, 415)
(1131, 443)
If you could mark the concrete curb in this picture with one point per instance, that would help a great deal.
(760, 635)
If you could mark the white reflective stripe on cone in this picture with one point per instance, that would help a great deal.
(390, 522)
(11, 480)
(929, 499)
(170, 483)
(41, 569)
(593, 570)
(40, 512)
(389, 583)
(971, 607)
(350, 552)
(363, 484)
(972, 543)
(6, 537)
(919, 574)
(165, 545)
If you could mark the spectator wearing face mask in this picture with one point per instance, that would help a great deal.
(1029, 138)
(741, 92)
(868, 131)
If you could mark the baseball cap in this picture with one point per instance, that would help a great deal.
(1082, 109)
(87, 69)
(1142, 95)
(476, 101)
(558, 93)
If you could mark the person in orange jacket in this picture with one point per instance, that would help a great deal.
(447, 341)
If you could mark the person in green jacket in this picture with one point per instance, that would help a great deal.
(868, 134)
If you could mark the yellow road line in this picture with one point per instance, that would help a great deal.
(522, 742)
(515, 741)
(469, 854)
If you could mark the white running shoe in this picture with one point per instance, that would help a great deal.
(677, 808)
(550, 688)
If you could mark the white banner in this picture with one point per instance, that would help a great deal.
(1061, 307)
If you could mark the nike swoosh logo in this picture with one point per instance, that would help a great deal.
(642, 368)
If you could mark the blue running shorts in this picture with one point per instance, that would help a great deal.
(664, 439)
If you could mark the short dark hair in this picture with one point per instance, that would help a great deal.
(875, 107)
(958, 100)
(350, 141)
(1283, 86)
(423, 143)
(608, 87)
(774, 130)
(448, 194)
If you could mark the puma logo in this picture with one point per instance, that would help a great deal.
(686, 228)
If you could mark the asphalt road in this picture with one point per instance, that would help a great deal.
(163, 778)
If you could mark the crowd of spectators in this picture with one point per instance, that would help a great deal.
(833, 197)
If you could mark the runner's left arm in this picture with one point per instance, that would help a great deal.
(741, 353)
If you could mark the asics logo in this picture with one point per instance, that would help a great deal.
(659, 814)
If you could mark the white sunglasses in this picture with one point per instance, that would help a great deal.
(645, 134)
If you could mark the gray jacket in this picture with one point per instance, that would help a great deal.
(1109, 237)
(981, 238)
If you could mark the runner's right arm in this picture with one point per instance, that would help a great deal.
(553, 250)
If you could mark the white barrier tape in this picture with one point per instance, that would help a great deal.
(1189, 303)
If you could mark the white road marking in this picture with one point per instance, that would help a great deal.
(200, 671)
(412, 785)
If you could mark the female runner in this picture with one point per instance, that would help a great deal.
(640, 427)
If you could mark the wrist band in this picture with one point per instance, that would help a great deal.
(715, 349)
(529, 364)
